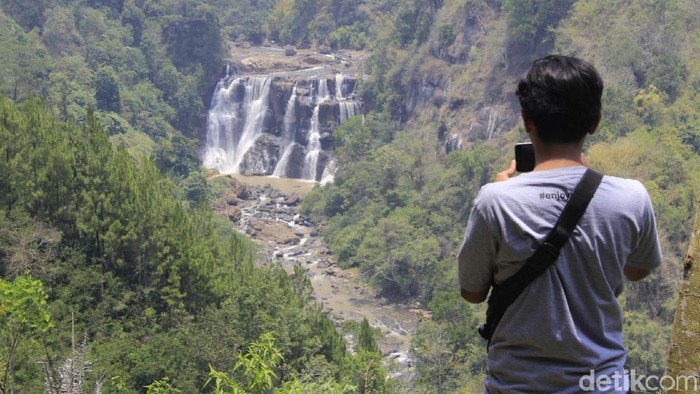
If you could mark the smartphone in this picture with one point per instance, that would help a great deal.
(524, 157)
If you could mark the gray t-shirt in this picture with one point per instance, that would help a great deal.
(568, 321)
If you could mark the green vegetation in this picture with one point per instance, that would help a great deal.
(156, 287)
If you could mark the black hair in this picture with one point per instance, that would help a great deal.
(562, 97)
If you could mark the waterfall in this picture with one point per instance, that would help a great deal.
(287, 135)
(491, 125)
(248, 133)
(339, 79)
(235, 123)
(313, 148)
(348, 107)
(323, 94)
(223, 118)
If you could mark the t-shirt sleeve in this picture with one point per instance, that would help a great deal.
(476, 259)
(647, 254)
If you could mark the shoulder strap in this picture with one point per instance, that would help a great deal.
(503, 295)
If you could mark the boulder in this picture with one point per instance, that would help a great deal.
(261, 158)
(293, 199)
(290, 51)
(234, 214)
(276, 231)
(243, 192)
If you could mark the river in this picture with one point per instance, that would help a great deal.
(267, 209)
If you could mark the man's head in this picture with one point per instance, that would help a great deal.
(561, 95)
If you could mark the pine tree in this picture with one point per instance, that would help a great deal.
(365, 339)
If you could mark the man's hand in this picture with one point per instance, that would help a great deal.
(506, 174)
(634, 274)
(474, 297)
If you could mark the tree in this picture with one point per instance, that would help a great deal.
(23, 314)
(365, 339)
(195, 40)
(107, 90)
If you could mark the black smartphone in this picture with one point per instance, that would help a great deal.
(524, 157)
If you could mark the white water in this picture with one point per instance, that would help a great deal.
(287, 135)
(223, 118)
(323, 94)
(347, 105)
(313, 149)
(339, 79)
(233, 127)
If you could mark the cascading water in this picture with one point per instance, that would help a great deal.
(323, 94)
(287, 135)
(347, 106)
(339, 80)
(234, 124)
(313, 149)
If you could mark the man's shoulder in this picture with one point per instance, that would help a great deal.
(623, 188)
(530, 186)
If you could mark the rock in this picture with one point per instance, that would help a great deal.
(261, 158)
(275, 231)
(232, 201)
(293, 199)
(242, 42)
(290, 51)
(275, 194)
(234, 214)
(324, 49)
(266, 43)
(243, 192)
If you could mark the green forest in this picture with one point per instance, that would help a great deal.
(116, 277)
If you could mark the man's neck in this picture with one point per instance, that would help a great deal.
(551, 156)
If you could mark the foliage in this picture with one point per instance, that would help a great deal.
(365, 340)
(256, 372)
(150, 277)
(23, 314)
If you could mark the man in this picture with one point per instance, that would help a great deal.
(568, 321)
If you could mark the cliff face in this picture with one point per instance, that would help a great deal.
(684, 351)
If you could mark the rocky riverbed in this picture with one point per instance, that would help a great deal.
(271, 217)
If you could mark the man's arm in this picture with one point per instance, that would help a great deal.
(474, 297)
(478, 251)
(634, 274)
(647, 255)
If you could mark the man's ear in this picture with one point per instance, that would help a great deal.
(526, 121)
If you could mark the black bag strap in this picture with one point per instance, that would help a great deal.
(503, 295)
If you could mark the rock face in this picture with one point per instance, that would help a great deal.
(684, 350)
